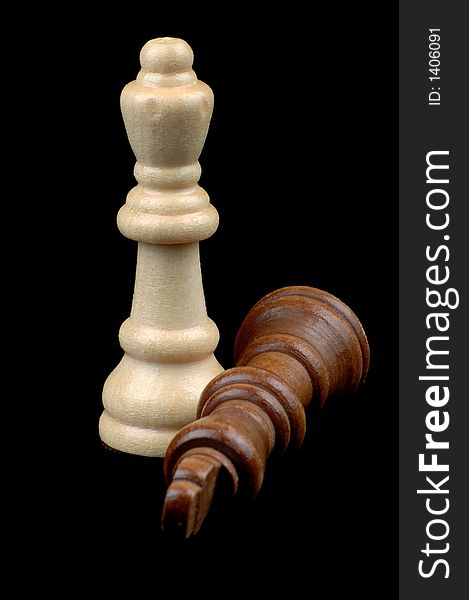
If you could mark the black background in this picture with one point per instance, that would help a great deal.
(301, 164)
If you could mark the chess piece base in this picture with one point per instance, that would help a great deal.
(146, 404)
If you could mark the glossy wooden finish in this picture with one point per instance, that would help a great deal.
(297, 344)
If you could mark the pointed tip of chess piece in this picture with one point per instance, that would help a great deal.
(193, 483)
(181, 512)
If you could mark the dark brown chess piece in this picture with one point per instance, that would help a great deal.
(296, 344)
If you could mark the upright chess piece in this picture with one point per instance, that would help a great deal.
(297, 343)
(168, 340)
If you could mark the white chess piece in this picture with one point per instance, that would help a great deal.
(168, 340)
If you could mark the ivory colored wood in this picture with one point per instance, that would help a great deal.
(168, 339)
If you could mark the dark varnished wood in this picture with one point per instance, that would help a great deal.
(297, 344)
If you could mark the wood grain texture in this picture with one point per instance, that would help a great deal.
(297, 344)
(168, 340)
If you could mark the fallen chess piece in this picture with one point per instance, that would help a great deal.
(296, 344)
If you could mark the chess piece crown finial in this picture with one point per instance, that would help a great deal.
(166, 62)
